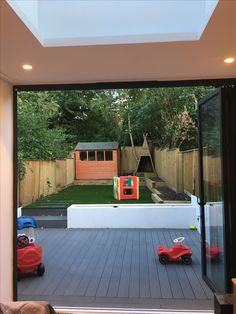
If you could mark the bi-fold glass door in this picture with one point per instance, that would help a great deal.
(216, 134)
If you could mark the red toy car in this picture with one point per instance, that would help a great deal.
(213, 252)
(176, 253)
(29, 255)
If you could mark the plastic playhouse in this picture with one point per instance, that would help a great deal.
(126, 188)
(177, 252)
(29, 255)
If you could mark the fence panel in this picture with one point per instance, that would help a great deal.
(44, 178)
(212, 177)
(168, 167)
(47, 177)
(29, 187)
(190, 171)
(61, 170)
(178, 169)
(128, 161)
(70, 171)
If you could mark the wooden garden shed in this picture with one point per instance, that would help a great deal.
(97, 160)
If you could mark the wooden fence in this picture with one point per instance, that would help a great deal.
(178, 169)
(44, 178)
(190, 172)
(128, 161)
(168, 165)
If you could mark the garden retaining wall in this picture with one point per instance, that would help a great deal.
(134, 216)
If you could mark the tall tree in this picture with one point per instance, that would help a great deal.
(37, 138)
(167, 115)
(51, 123)
(87, 115)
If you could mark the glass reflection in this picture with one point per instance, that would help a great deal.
(210, 115)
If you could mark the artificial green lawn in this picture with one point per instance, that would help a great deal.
(92, 194)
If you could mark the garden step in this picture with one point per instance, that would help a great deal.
(51, 221)
(53, 205)
(58, 201)
(44, 212)
(93, 182)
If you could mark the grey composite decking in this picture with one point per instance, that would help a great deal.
(116, 268)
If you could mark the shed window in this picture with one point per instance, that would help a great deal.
(108, 155)
(83, 156)
(91, 156)
(100, 155)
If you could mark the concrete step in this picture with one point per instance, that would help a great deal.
(45, 211)
(51, 221)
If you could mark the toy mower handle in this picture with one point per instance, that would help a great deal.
(178, 240)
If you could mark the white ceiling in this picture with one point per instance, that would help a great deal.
(182, 60)
(76, 23)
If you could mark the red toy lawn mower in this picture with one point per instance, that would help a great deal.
(29, 255)
(178, 252)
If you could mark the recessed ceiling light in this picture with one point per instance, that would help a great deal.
(27, 67)
(229, 60)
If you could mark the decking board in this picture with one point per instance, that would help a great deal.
(134, 283)
(119, 267)
(125, 273)
(107, 271)
(115, 277)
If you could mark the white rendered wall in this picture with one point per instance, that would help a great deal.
(6, 191)
(132, 216)
(19, 212)
(194, 202)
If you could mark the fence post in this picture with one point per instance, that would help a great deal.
(179, 172)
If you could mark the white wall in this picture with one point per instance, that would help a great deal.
(194, 202)
(6, 191)
(132, 216)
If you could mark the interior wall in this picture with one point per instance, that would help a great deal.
(6, 191)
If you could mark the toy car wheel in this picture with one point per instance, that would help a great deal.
(41, 269)
(22, 240)
(186, 259)
(163, 259)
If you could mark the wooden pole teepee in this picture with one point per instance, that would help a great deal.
(145, 162)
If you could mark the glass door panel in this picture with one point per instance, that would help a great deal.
(212, 192)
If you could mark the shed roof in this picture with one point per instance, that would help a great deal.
(96, 145)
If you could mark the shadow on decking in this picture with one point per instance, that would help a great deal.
(116, 268)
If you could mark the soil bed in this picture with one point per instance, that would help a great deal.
(170, 195)
(167, 194)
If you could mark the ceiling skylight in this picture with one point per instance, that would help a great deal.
(95, 22)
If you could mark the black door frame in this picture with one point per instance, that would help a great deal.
(88, 86)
